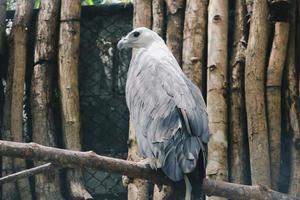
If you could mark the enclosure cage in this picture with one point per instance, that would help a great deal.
(102, 77)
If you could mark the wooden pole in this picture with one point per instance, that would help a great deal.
(237, 117)
(2, 62)
(217, 167)
(77, 159)
(158, 17)
(2, 26)
(174, 35)
(12, 128)
(292, 107)
(194, 39)
(255, 96)
(47, 185)
(138, 189)
(68, 58)
(273, 94)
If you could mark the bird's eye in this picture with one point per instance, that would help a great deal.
(136, 34)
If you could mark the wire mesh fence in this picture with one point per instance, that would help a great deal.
(102, 77)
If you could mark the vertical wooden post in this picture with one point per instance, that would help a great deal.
(47, 185)
(68, 85)
(194, 39)
(237, 116)
(273, 94)
(2, 25)
(13, 108)
(292, 107)
(255, 94)
(175, 13)
(2, 62)
(158, 17)
(138, 189)
(217, 167)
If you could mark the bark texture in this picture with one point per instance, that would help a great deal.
(174, 35)
(194, 39)
(2, 26)
(76, 159)
(13, 108)
(217, 166)
(292, 108)
(273, 93)
(255, 97)
(158, 17)
(142, 10)
(47, 185)
(68, 85)
(137, 188)
(237, 118)
(2, 56)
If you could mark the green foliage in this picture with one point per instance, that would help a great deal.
(37, 4)
(10, 4)
(87, 2)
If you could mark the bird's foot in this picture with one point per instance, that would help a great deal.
(152, 162)
(126, 180)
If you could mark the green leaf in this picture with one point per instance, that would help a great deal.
(89, 2)
(37, 3)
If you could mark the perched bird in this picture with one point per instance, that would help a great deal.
(167, 111)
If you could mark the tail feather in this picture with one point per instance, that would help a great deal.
(196, 178)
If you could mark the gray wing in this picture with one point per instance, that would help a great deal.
(168, 114)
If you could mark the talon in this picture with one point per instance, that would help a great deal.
(126, 180)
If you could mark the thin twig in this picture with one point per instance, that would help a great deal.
(26, 173)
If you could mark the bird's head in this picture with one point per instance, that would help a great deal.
(139, 38)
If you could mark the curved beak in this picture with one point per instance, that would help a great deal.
(122, 43)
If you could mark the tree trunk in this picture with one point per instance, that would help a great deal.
(2, 56)
(237, 118)
(158, 17)
(142, 10)
(174, 35)
(255, 96)
(217, 167)
(194, 38)
(273, 93)
(292, 109)
(297, 43)
(13, 109)
(2, 62)
(47, 185)
(77, 159)
(138, 189)
(2, 26)
(68, 85)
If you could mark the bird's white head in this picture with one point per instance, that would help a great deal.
(139, 38)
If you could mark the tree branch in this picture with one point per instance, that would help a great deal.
(26, 173)
(77, 159)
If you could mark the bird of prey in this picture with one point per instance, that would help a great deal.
(167, 111)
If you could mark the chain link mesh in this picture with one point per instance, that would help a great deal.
(102, 78)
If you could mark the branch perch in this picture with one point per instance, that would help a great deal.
(78, 159)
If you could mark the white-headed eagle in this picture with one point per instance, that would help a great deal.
(167, 111)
